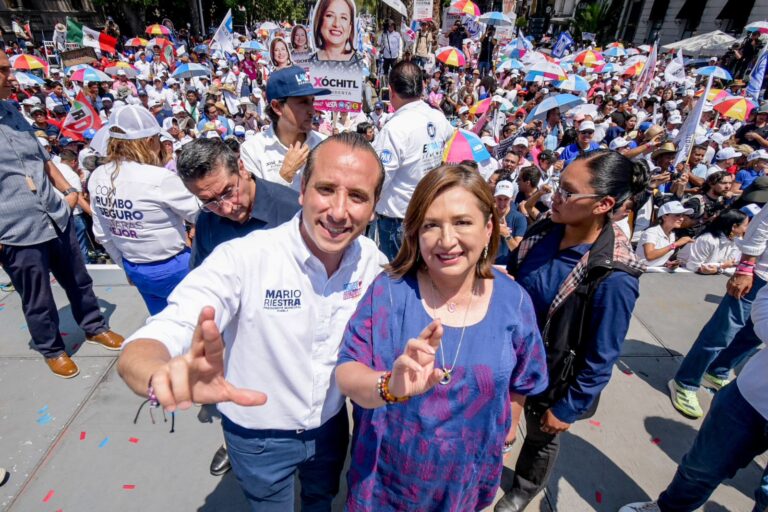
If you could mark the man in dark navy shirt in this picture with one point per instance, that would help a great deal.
(234, 203)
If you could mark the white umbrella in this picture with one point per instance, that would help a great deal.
(587, 109)
(268, 25)
(711, 43)
(496, 19)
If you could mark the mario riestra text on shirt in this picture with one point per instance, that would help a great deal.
(282, 300)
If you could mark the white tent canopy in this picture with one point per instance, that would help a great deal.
(711, 43)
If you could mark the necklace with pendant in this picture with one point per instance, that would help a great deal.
(451, 306)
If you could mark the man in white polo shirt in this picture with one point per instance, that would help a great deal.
(279, 153)
(410, 145)
(279, 300)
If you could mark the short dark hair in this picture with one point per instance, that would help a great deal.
(405, 80)
(713, 179)
(68, 156)
(530, 174)
(271, 114)
(202, 157)
(353, 141)
(723, 224)
(363, 127)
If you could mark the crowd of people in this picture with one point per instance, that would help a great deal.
(291, 257)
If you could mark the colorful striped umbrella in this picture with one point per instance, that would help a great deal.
(632, 51)
(27, 62)
(465, 145)
(136, 41)
(509, 64)
(159, 41)
(90, 75)
(158, 30)
(496, 19)
(615, 44)
(589, 58)
(634, 70)
(481, 107)
(547, 71)
(466, 7)
(615, 51)
(714, 94)
(609, 67)
(253, 46)
(114, 67)
(644, 48)
(757, 26)
(450, 56)
(573, 83)
(735, 107)
(563, 102)
(77, 67)
(190, 70)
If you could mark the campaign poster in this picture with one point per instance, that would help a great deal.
(301, 45)
(279, 53)
(336, 63)
(422, 9)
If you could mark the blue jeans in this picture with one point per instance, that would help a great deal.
(81, 232)
(484, 68)
(155, 281)
(265, 461)
(733, 433)
(725, 341)
(390, 236)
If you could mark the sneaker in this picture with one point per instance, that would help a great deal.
(712, 382)
(641, 506)
(685, 400)
(3, 476)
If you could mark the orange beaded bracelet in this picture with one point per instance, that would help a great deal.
(382, 386)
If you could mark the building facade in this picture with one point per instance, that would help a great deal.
(44, 14)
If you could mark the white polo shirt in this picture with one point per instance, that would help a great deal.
(755, 242)
(281, 317)
(263, 156)
(409, 145)
(659, 239)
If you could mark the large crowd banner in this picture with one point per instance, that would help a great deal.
(337, 63)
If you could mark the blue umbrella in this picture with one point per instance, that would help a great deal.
(28, 79)
(201, 48)
(496, 19)
(190, 70)
(574, 83)
(715, 71)
(615, 51)
(77, 67)
(509, 65)
(253, 46)
(562, 101)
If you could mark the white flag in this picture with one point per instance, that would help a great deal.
(643, 85)
(675, 71)
(685, 138)
(223, 39)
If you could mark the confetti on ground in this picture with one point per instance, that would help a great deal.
(626, 371)
(656, 441)
(104, 442)
(43, 410)
(45, 419)
(595, 423)
(2, 305)
(23, 326)
(48, 496)
(598, 496)
(82, 436)
(133, 440)
(108, 289)
(1, 308)
(129, 487)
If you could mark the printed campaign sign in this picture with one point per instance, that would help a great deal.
(337, 63)
(422, 10)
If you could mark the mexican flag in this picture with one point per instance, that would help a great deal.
(81, 117)
(84, 36)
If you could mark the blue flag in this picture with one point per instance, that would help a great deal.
(757, 75)
(564, 42)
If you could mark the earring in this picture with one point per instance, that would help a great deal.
(348, 46)
(485, 252)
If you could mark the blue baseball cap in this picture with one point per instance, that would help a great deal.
(89, 133)
(291, 82)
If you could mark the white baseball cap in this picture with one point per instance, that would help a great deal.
(520, 141)
(586, 126)
(726, 153)
(489, 141)
(674, 207)
(136, 121)
(717, 138)
(760, 154)
(675, 119)
(464, 110)
(120, 72)
(618, 143)
(504, 188)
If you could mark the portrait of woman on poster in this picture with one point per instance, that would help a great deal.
(299, 39)
(279, 54)
(334, 31)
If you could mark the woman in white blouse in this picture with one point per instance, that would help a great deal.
(657, 244)
(715, 249)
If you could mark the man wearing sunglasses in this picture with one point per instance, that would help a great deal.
(583, 144)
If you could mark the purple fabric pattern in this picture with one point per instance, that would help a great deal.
(440, 451)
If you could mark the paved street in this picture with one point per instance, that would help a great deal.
(72, 445)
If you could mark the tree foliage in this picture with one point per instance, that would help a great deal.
(599, 18)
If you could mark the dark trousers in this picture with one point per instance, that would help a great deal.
(265, 461)
(537, 457)
(29, 268)
(388, 63)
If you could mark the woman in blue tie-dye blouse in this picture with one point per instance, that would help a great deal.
(437, 351)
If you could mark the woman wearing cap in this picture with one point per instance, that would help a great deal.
(715, 250)
(657, 244)
(583, 278)
(438, 358)
(139, 208)
(334, 31)
(279, 54)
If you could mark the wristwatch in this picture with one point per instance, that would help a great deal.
(70, 190)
